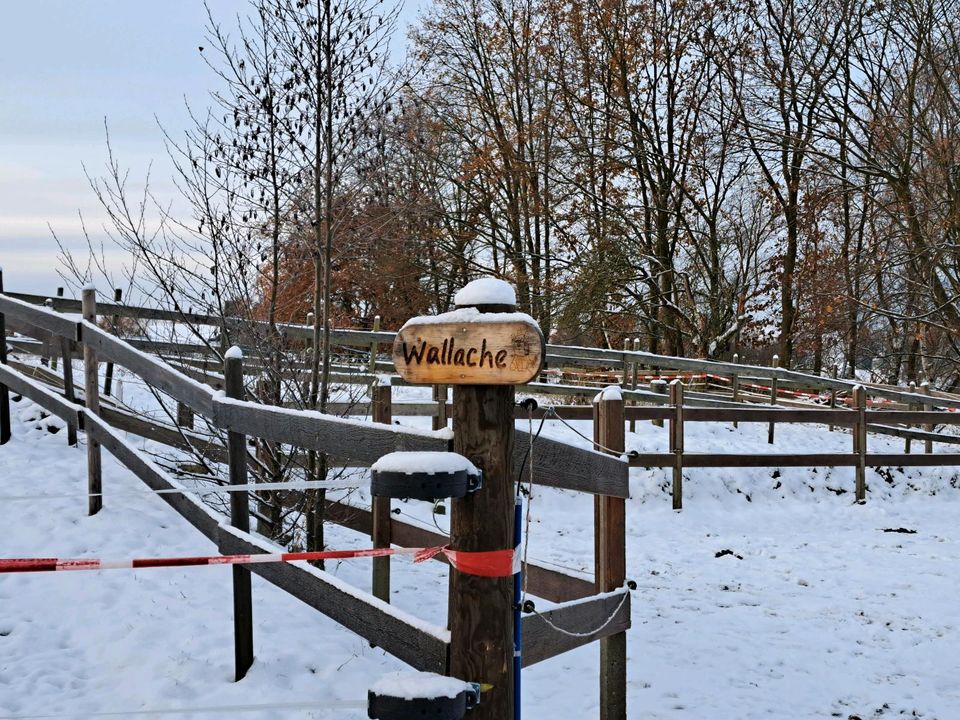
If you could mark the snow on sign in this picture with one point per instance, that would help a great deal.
(468, 347)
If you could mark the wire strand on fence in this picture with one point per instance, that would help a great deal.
(588, 633)
(248, 487)
(210, 709)
(552, 411)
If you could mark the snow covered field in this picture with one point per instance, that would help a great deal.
(815, 612)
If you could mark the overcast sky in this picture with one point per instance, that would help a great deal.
(65, 66)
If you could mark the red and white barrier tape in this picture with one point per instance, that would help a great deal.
(495, 563)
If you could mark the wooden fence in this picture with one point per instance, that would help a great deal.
(626, 362)
(353, 442)
(724, 396)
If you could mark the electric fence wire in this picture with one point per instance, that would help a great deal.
(209, 709)
(526, 532)
(552, 411)
(249, 487)
(588, 633)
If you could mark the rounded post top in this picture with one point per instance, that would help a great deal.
(234, 353)
(487, 294)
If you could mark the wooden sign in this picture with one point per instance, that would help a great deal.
(494, 352)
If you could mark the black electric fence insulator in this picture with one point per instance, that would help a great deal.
(385, 706)
(528, 606)
(632, 584)
(419, 485)
(398, 478)
(529, 404)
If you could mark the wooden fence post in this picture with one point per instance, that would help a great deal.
(108, 380)
(735, 383)
(439, 421)
(833, 396)
(660, 388)
(910, 406)
(372, 366)
(927, 444)
(380, 535)
(611, 571)
(91, 388)
(240, 519)
(51, 359)
(269, 512)
(49, 304)
(773, 394)
(676, 441)
(185, 416)
(480, 611)
(626, 364)
(66, 352)
(4, 390)
(860, 441)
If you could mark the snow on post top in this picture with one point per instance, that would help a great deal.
(485, 291)
(408, 462)
(234, 353)
(611, 392)
(89, 286)
(418, 685)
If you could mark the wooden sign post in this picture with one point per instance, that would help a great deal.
(482, 354)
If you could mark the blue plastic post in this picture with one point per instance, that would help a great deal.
(517, 583)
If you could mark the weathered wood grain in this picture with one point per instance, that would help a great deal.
(924, 460)
(45, 398)
(364, 442)
(913, 417)
(541, 642)
(152, 370)
(359, 612)
(240, 519)
(759, 415)
(557, 464)
(911, 434)
(480, 608)
(651, 460)
(380, 535)
(695, 460)
(469, 353)
(164, 433)
(39, 317)
(611, 542)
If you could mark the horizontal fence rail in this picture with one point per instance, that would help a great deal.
(555, 354)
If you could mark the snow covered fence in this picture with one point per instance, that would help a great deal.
(309, 585)
(556, 354)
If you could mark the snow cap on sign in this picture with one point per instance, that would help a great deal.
(234, 353)
(408, 462)
(485, 291)
(418, 685)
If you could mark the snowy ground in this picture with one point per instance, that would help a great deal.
(823, 614)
